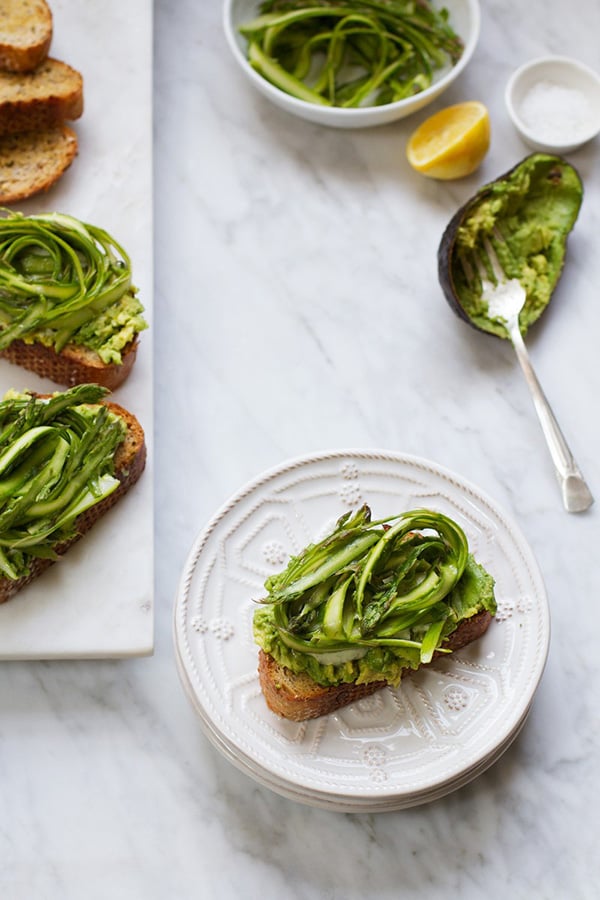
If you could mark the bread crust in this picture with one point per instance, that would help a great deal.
(25, 34)
(298, 697)
(31, 162)
(130, 461)
(73, 365)
(43, 98)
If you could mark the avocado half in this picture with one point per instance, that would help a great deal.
(533, 207)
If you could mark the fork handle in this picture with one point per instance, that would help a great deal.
(575, 492)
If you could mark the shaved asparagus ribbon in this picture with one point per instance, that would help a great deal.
(56, 461)
(56, 272)
(369, 584)
(347, 53)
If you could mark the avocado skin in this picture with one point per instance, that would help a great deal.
(540, 172)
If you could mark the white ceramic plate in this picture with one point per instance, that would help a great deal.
(443, 726)
(99, 600)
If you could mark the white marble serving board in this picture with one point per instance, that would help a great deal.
(98, 601)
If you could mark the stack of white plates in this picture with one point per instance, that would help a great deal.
(398, 748)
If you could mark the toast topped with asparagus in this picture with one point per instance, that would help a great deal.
(370, 603)
(65, 460)
(68, 308)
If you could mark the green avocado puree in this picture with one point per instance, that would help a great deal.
(107, 333)
(473, 593)
(534, 207)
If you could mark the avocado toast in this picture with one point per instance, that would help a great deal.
(365, 606)
(65, 460)
(68, 308)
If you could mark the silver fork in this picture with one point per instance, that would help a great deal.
(505, 299)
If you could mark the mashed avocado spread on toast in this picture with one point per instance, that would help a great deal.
(66, 282)
(107, 334)
(372, 598)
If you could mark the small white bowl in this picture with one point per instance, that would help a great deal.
(464, 18)
(554, 103)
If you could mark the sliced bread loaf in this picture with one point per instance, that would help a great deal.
(36, 100)
(25, 34)
(33, 161)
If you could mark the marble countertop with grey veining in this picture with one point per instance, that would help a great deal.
(297, 309)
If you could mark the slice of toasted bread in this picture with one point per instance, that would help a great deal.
(33, 161)
(130, 460)
(32, 101)
(73, 365)
(298, 697)
(25, 34)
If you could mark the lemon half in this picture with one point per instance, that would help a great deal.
(451, 143)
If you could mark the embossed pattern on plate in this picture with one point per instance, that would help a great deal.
(443, 725)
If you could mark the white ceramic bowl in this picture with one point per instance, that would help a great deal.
(554, 103)
(464, 18)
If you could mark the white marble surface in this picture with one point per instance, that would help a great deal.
(298, 309)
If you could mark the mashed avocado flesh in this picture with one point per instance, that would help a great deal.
(107, 333)
(473, 593)
(534, 207)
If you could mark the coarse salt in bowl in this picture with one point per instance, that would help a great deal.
(554, 103)
(464, 17)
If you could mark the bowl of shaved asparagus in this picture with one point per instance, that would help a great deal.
(352, 63)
